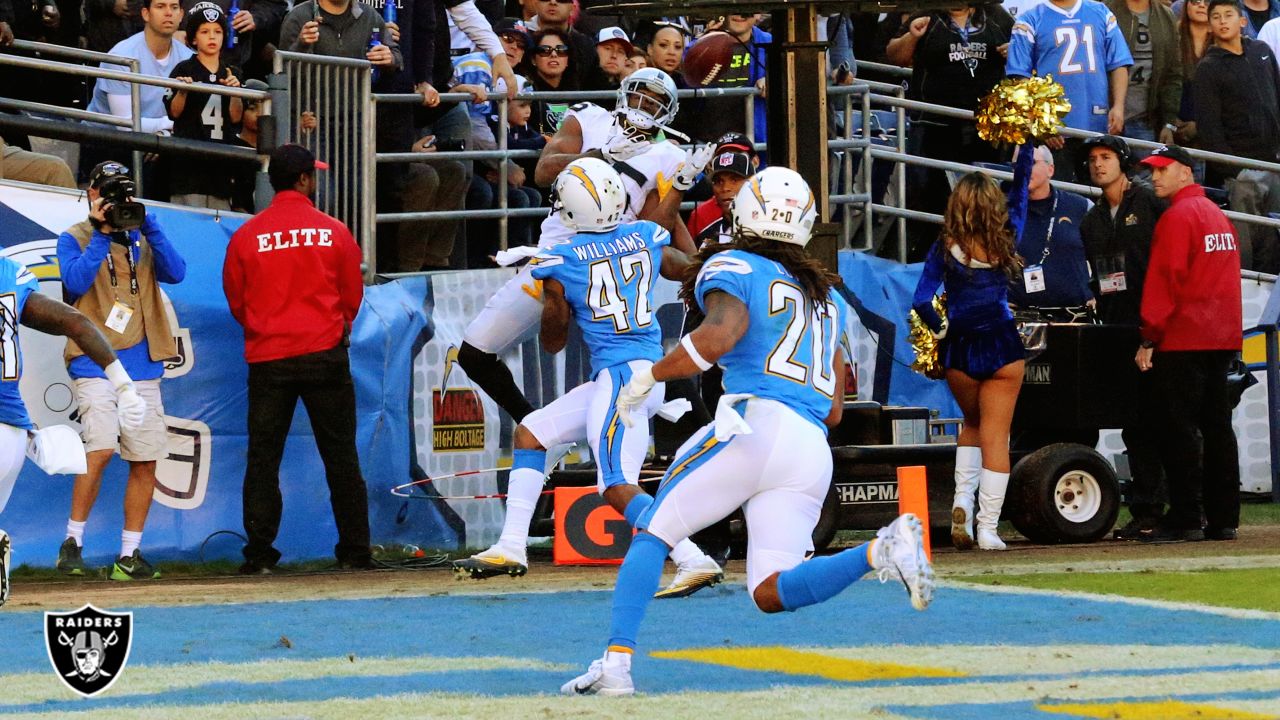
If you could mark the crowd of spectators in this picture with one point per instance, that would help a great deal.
(1201, 73)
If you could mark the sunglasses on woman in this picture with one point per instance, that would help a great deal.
(550, 50)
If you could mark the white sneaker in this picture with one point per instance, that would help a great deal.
(497, 560)
(608, 676)
(989, 539)
(6, 551)
(703, 572)
(899, 553)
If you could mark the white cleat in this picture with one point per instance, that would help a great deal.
(691, 578)
(900, 553)
(6, 554)
(609, 676)
(491, 562)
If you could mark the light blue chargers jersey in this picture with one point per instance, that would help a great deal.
(608, 279)
(1078, 47)
(16, 285)
(788, 352)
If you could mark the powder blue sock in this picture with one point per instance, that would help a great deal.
(637, 582)
(636, 507)
(532, 459)
(822, 578)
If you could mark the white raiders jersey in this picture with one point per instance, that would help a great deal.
(657, 166)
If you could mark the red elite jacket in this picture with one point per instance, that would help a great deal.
(292, 279)
(1191, 300)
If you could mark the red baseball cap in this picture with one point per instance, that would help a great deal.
(1166, 155)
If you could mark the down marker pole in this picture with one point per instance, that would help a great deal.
(913, 497)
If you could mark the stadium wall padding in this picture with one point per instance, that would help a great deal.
(418, 415)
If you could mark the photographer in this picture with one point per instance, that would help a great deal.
(112, 265)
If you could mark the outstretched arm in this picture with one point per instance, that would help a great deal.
(674, 263)
(726, 323)
(563, 148)
(665, 211)
(47, 315)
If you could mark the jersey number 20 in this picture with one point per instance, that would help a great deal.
(784, 297)
(605, 299)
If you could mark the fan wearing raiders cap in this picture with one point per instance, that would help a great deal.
(202, 116)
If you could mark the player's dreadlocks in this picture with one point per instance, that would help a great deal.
(814, 279)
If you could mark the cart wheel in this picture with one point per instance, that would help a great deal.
(1064, 493)
(825, 531)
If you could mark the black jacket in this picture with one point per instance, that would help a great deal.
(1121, 245)
(1237, 101)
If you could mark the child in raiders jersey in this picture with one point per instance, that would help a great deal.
(202, 116)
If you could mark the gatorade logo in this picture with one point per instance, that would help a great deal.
(588, 530)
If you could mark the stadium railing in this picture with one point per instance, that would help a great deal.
(337, 93)
(128, 133)
(341, 89)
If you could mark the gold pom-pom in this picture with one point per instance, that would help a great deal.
(925, 344)
(1019, 109)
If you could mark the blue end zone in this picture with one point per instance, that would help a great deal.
(571, 627)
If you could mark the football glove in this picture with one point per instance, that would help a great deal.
(620, 147)
(130, 406)
(633, 394)
(695, 159)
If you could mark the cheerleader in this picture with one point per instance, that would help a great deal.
(979, 346)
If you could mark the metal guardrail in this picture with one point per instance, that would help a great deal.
(134, 123)
(135, 98)
(337, 92)
(342, 84)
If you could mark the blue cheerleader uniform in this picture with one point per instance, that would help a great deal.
(981, 336)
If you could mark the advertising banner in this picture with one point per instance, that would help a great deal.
(418, 414)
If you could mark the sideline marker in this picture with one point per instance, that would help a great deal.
(588, 530)
(913, 497)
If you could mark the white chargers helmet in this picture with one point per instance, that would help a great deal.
(589, 196)
(649, 111)
(775, 204)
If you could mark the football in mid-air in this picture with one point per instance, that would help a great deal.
(709, 57)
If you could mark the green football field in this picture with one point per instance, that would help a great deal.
(1249, 589)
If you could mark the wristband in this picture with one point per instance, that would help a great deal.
(1147, 345)
(687, 343)
(116, 373)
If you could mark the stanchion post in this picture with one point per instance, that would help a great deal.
(913, 497)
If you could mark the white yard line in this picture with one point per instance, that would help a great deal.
(1238, 613)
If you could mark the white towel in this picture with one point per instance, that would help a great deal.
(57, 450)
(673, 410)
(515, 254)
(728, 421)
